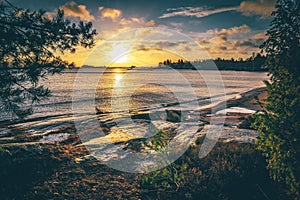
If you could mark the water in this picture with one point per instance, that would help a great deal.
(154, 91)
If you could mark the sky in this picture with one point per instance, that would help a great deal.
(137, 32)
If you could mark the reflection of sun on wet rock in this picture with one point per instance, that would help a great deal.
(62, 135)
(55, 138)
(115, 135)
(235, 111)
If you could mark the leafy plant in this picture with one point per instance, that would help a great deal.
(230, 171)
(279, 124)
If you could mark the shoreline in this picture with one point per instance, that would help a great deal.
(65, 170)
(244, 100)
(237, 122)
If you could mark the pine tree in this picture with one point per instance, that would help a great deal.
(30, 46)
(279, 124)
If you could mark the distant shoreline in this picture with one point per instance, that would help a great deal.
(157, 67)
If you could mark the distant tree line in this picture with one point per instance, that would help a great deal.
(253, 63)
(180, 64)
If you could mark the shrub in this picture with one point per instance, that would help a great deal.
(230, 171)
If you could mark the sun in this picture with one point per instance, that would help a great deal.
(119, 53)
(122, 59)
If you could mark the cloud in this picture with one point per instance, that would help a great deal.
(198, 12)
(72, 9)
(237, 42)
(259, 7)
(151, 23)
(231, 31)
(160, 45)
(113, 22)
(143, 47)
(111, 13)
(123, 24)
(261, 36)
(252, 43)
(177, 25)
(131, 21)
(50, 14)
(169, 45)
(225, 48)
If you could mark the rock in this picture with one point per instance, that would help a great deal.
(173, 116)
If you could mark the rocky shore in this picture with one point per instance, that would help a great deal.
(33, 169)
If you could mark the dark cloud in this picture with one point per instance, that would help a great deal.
(165, 45)
(254, 43)
(142, 47)
(223, 48)
(168, 44)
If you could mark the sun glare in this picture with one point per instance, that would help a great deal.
(118, 53)
(118, 80)
(118, 77)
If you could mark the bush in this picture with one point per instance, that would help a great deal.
(279, 125)
(23, 166)
(230, 171)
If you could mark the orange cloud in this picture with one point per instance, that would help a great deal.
(262, 35)
(260, 7)
(130, 21)
(72, 9)
(111, 13)
(151, 23)
(232, 31)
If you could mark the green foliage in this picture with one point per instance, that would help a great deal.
(29, 47)
(279, 125)
(163, 182)
(230, 171)
(159, 140)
